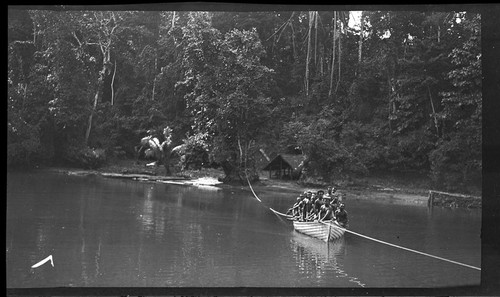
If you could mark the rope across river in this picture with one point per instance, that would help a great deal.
(371, 238)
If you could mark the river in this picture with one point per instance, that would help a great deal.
(104, 232)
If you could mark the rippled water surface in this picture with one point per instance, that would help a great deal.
(125, 233)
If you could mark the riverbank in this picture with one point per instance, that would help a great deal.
(385, 189)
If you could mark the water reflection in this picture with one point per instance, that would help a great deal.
(318, 259)
(83, 205)
(146, 216)
(90, 216)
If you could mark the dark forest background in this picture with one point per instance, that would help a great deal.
(399, 93)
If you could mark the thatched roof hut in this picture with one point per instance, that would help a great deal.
(285, 166)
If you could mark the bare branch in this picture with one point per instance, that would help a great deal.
(76, 37)
(102, 48)
(22, 42)
(281, 27)
(145, 47)
(114, 22)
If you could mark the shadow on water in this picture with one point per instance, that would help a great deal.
(318, 257)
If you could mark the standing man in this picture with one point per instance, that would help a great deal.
(318, 203)
(295, 209)
(335, 198)
(306, 206)
(329, 191)
(341, 216)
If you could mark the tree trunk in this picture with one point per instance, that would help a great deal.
(439, 33)
(340, 55)
(241, 151)
(165, 158)
(154, 80)
(112, 86)
(231, 173)
(333, 52)
(321, 66)
(236, 175)
(433, 112)
(96, 98)
(265, 155)
(315, 37)
(89, 126)
(360, 50)
(24, 87)
(293, 41)
(390, 101)
(360, 40)
(308, 53)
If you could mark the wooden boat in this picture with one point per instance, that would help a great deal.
(316, 247)
(326, 231)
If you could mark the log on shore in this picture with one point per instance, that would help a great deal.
(438, 198)
(142, 176)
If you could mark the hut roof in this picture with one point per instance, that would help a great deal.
(285, 161)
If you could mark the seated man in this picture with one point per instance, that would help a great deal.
(326, 212)
(341, 215)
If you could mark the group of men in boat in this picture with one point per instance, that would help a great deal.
(319, 206)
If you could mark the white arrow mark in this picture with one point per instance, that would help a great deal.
(43, 262)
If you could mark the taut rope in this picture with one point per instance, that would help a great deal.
(414, 251)
(253, 192)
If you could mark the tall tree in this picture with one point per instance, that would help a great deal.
(98, 28)
(228, 99)
(68, 70)
(457, 159)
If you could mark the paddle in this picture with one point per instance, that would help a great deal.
(310, 216)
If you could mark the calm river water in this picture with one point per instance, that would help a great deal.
(104, 232)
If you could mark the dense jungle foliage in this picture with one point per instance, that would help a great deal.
(398, 92)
